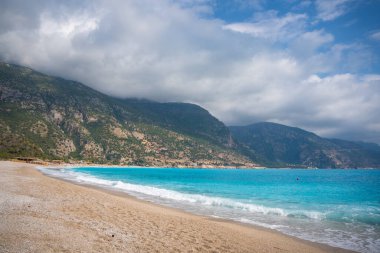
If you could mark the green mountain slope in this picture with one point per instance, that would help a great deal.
(52, 118)
(278, 145)
(185, 118)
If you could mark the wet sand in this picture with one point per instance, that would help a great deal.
(43, 214)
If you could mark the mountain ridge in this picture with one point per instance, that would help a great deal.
(53, 118)
(279, 145)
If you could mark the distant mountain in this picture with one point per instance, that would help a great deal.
(278, 145)
(53, 118)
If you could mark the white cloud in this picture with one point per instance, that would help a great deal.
(310, 42)
(68, 28)
(347, 104)
(331, 9)
(270, 26)
(163, 50)
(334, 106)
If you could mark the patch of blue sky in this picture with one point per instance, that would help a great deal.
(353, 23)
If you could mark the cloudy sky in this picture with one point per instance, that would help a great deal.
(311, 64)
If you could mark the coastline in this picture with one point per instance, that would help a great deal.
(49, 214)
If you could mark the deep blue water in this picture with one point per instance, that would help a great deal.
(337, 207)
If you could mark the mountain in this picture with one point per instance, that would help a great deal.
(278, 145)
(53, 118)
(56, 119)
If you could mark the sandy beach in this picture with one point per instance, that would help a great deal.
(43, 214)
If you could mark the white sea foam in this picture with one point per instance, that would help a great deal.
(176, 196)
(292, 222)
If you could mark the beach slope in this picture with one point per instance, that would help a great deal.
(43, 214)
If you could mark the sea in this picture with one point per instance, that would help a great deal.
(340, 208)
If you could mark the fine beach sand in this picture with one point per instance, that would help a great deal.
(43, 214)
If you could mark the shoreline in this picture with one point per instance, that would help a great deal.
(49, 164)
(37, 161)
(228, 236)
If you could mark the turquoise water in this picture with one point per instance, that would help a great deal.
(337, 207)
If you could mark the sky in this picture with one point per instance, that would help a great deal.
(309, 64)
